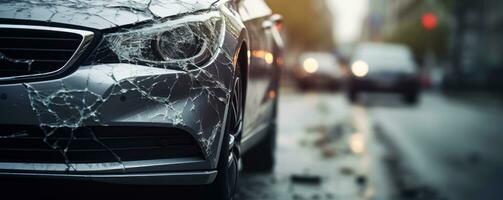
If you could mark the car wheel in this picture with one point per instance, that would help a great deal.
(333, 87)
(353, 96)
(225, 185)
(261, 157)
(411, 98)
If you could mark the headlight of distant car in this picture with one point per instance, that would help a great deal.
(360, 68)
(310, 65)
(186, 41)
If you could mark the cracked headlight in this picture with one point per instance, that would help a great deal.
(183, 42)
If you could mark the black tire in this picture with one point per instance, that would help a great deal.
(304, 86)
(225, 184)
(333, 87)
(261, 157)
(353, 96)
(411, 98)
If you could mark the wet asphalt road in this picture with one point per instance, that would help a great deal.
(447, 147)
(320, 154)
(443, 148)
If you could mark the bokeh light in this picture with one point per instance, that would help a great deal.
(310, 65)
(360, 68)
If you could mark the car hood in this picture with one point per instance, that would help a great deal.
(96, 14)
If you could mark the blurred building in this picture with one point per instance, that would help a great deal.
(399, 21)
(385, 15)
(477, 45)
(377, 19)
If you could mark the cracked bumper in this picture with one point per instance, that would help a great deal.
(125, 95)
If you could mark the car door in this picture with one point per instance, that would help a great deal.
(256, 16)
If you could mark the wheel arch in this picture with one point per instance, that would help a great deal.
(242, 58)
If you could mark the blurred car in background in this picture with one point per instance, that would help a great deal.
(377, 67)
(318, 70)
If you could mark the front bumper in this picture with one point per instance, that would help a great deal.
(125, 95)
(166, 178)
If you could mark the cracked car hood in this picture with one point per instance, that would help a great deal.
(97, 14)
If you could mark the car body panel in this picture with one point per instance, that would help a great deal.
(261, 80)
(126, 94)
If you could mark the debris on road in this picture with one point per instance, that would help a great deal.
(347, 171)
(328, 151)
(321, 140)
(310, 154)
(306, 179)
(361, 180)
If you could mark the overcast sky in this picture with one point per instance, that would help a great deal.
(349, 16)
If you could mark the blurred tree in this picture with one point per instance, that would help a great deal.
(410, 30)
(413, 34)
(308, 24)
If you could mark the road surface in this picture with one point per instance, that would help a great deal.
(320, 154)
(443, 148)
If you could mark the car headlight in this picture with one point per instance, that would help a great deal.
(184, 42)
(360, 68)
(310, 65)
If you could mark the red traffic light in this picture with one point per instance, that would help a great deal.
(429, 21)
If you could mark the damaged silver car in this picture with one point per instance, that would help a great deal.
(166, 92)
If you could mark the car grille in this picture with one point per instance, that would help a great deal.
(30, 144)
(32, 50)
